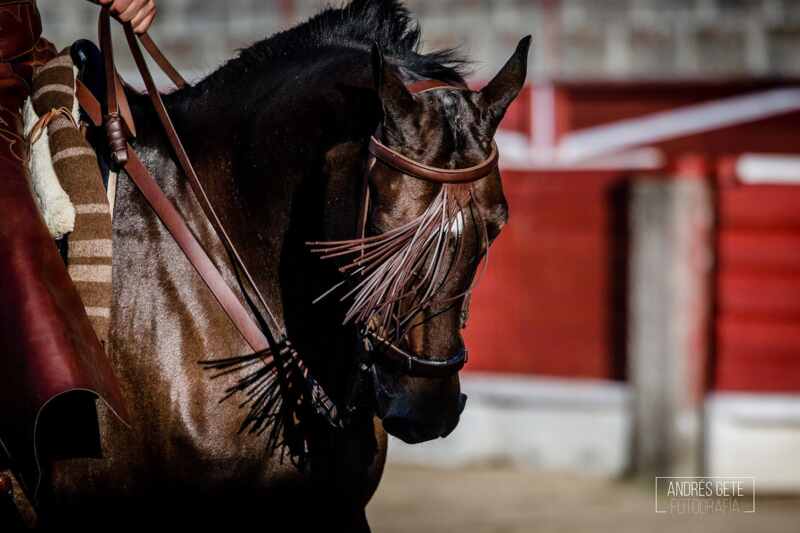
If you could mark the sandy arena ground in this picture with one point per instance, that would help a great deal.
(483, 500)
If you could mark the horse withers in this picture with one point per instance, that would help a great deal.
(317, 141)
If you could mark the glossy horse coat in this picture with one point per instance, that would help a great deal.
(279, 137)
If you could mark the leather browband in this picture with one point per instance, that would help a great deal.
(429, 85)
(410, 167)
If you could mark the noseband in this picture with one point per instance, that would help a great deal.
(390, 354)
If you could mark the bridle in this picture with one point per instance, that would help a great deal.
(119, 127)
(391, 355)
(266, 336)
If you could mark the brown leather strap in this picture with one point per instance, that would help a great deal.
(117, 139)
(162, 61)
(195, 253)
(124, 109)
(381, 152)
(117, 103)
(89, 103)
(410, 167)
(183, 236)
(194, 181)
(249, 329)
(94, 111)
(107, 47)
(428, 85)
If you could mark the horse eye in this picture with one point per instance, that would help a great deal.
(494, 227)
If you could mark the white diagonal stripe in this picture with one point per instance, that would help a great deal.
(90, 248)
(90, 273)
(103, 312)
(90, 209)
(75, 151)
(54, 88)
(681, 122)
(59, 61)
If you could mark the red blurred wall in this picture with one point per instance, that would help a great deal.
(553, 300)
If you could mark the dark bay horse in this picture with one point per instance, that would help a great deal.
(279, 136)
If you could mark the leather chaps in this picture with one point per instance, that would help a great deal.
(52, 366)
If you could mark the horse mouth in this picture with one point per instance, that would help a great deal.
(415, 433)
(399, 421)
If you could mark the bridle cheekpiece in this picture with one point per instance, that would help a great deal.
(391, 354)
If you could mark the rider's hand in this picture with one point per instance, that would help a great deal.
(140, 13)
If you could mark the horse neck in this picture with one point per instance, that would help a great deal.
(270, 176)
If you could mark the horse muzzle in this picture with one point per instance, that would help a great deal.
(416, 409)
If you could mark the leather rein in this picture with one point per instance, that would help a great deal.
(119, 126)
(391, 354)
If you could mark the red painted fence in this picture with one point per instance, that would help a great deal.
(758, 290)
(553, 300)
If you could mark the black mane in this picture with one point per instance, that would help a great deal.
(356, 25)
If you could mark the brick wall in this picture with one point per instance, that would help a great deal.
(572, 38)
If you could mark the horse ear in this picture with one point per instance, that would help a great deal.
(395, 99)
(498, 94)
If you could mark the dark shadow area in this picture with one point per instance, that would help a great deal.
(618, 198)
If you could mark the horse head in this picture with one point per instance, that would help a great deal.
(433, 203)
